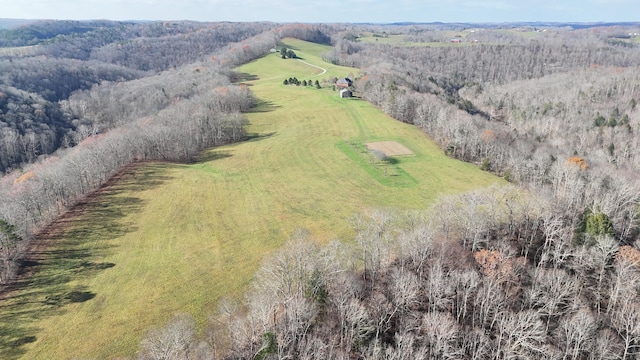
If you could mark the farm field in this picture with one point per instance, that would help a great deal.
(401, 40)
(397, 40)
(176, 238)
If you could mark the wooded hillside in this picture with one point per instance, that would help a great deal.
(547, 268)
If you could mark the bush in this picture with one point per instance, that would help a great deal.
(485, 165)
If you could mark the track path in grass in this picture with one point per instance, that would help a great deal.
(170, 238)
(324, 71)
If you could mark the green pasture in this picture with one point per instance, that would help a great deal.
(402, 40)
(389, 39)
(397, 40)
(176, 238)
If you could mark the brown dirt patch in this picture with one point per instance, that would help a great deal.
(389, 148)
(45, 237)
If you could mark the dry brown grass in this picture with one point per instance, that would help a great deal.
(389, 148)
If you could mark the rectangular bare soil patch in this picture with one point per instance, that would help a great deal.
(389, 148)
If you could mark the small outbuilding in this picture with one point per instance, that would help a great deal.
(345, 93)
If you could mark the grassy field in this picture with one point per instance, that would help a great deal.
(401, 40)
(173, 238)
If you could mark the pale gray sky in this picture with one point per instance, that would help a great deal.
(381, 11)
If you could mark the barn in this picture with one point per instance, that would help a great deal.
(343, 83)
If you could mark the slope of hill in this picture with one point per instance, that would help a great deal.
(477, 277)
(171, 238)
(47, 61)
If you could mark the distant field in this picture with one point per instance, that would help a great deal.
(402, 40)
(172, 238)
(525, 33)
(398, 40)
(467, 37)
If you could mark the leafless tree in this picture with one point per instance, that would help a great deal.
(441, 334)
(553, 294)
(626, 322)
(576, 334)
(173, 342)
(519, 335)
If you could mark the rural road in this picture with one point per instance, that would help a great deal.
(315, 66)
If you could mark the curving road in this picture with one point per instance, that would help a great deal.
(315, 66)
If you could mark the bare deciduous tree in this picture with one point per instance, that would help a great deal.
(173, 342)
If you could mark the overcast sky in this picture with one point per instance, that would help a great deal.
(380, 11)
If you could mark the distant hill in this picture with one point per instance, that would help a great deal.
(488, 25)
(13, 23)
(35, 32)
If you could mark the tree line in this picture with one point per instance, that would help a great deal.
(169, 116)
(172, 115)
(37, 116)
(540, 130)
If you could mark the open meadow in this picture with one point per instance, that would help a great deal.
(171, 238)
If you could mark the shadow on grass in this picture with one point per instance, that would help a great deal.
(294, 48)
(260, 136)
(238, 77)
(211, 155)
(263, 107)
(68, 251)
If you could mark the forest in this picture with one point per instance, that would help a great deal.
(547, 267)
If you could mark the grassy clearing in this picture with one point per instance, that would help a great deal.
(401, 40)
(170, 238)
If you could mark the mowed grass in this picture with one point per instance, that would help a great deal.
(175, 238)
(402, 40)
(399, 40)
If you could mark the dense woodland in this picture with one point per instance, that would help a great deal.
(548, 268)
(555, 114)
(67, 56)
